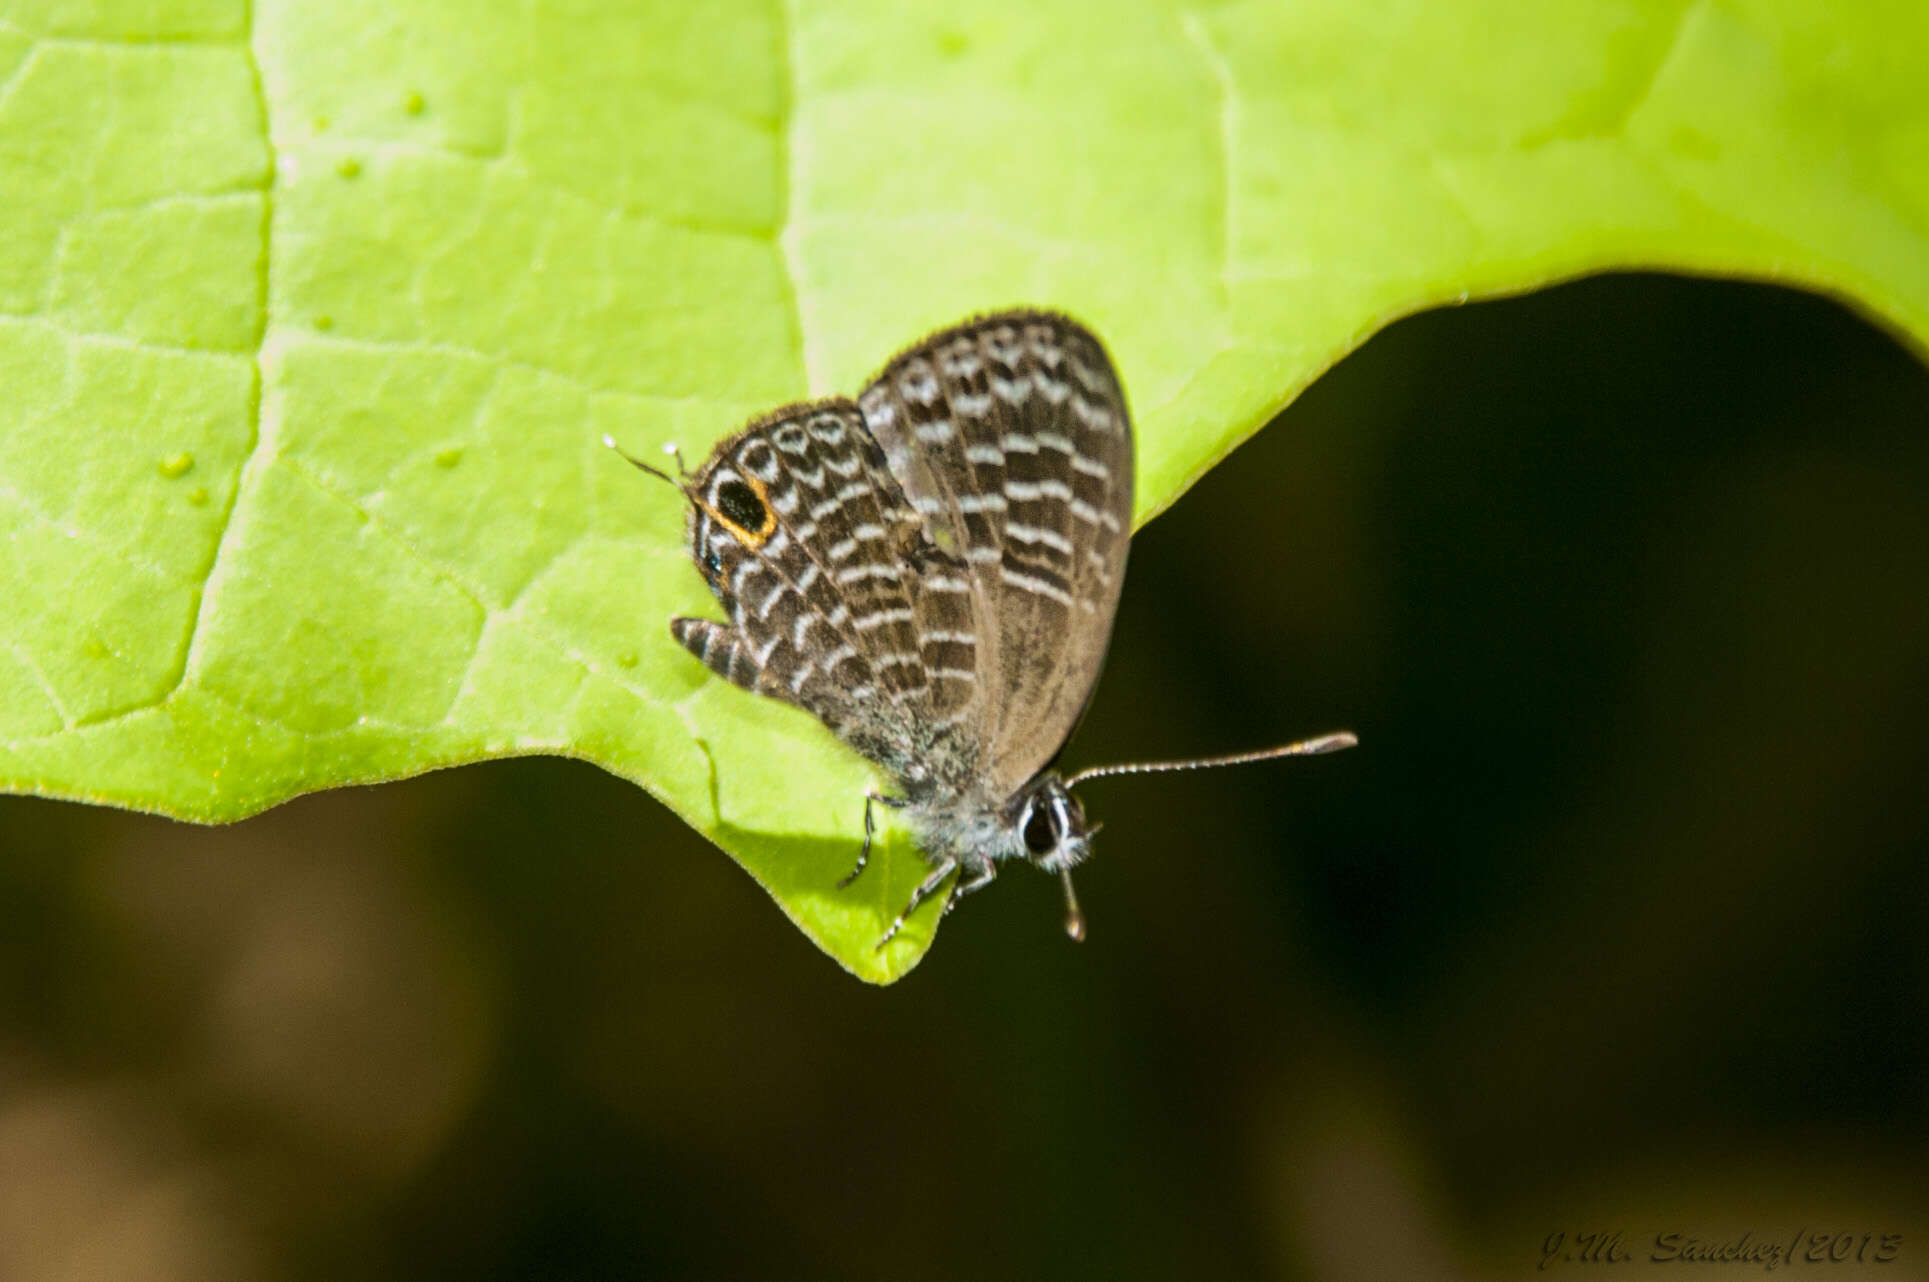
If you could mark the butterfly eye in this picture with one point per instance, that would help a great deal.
(1041, 833)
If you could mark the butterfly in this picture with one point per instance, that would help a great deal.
(932, 570)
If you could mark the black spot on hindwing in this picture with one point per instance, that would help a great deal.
(931, 569)
(738, 502)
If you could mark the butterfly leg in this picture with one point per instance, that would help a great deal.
(965, 885)
(864, 854)
(918, 896)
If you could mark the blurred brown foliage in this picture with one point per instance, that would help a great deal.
(1615, 921)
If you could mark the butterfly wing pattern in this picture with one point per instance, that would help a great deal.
(806, 541)
(932, 571)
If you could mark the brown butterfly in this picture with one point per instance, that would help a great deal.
(932, 571)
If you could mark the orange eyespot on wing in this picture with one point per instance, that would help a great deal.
(743, 508)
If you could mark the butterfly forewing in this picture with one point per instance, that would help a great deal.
(1010, 438)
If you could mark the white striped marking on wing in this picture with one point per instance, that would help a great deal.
(944, 583)
(842, 549)
(917, 383)
(1011, 391)
(1094, 381)
(1094, 416)
(1033, 534)
(769, 602)
(950, 637)
(1018, 579)
(859, 572)
(751, 565)
(955, 674)
(989, 455)
(981, 502)
(936, 432)
(1026, 491)
(878, 618)
(1091, 467)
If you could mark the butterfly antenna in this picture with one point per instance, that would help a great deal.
(1074, 919)
(1304, 748)
(638, 463)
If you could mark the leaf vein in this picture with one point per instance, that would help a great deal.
(786, 239)
(252, 455)
(1224, 89)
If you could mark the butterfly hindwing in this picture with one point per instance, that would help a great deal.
(808, 543)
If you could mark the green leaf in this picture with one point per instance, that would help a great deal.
(311, 317)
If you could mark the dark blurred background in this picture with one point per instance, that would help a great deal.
(1617, 921)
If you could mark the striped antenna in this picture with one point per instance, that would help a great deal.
(1304, 748)
(640, 465)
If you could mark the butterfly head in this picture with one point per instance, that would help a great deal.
(1051, 823)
